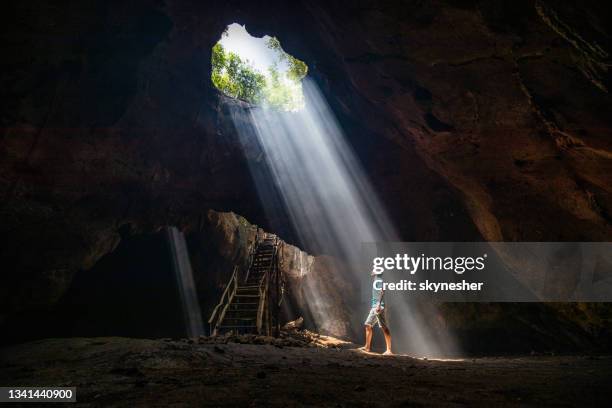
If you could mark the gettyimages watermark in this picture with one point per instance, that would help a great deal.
(493, 271)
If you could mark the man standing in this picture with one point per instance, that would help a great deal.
(377, 315)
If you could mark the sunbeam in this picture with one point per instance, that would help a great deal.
(332, 206)
(185, 282)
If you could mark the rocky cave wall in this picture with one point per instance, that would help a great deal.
(225, 240)
(477, 120)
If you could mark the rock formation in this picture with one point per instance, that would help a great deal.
(476, 119)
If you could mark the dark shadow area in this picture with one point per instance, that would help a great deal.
(130, 292)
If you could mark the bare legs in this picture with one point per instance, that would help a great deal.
(387, 334)
(368, 339)
(368, 336)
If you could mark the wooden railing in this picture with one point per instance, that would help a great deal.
(262, 304)
(279, 288)
(219, 311)
(252, 253)
(270, 293)
(269, 297)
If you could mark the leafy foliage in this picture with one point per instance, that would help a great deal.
(239, 79)
(297, 69)
(234, 77)
(283, 94)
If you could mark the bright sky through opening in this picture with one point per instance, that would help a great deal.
(257, 70)
(236, 39)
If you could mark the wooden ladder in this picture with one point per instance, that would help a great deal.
(246, 310)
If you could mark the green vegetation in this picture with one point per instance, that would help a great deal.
(236, 78)
(297, 69)
(278, 88)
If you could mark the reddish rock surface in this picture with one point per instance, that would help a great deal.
(476, 120)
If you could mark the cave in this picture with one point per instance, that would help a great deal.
(190, 188)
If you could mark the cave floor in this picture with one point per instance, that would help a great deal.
(136, 372)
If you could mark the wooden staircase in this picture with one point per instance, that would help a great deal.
(244, 304)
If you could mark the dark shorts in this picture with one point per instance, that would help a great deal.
(374, 318)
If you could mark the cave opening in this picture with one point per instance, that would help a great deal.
(140, 289)
(257, 70)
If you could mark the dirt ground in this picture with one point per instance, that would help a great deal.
(126, 372)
